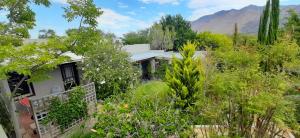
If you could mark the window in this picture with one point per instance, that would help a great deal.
(25, 89)
(69, 75)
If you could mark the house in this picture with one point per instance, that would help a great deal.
(30, 113)
(149, 60)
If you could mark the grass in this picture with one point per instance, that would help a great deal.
(152, 91)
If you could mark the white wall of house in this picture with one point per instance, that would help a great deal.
(53, 84)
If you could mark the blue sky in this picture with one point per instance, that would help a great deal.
(122, 16)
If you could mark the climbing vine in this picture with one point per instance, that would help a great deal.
(63, 113)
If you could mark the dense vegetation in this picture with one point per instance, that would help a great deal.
(170, 33)
(144, 112)
(110, 69)
(64, 112)
(249, 86)
(140, 37)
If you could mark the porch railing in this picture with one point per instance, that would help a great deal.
(40, 109)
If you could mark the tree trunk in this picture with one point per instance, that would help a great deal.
(14, 118)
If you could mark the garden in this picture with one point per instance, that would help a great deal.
(244, 86)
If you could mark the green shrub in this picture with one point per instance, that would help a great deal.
(146, 112)
(296, 100)
(161, 69)
(63, 113)
(5, 118)
(185, 78)
(209, 40)
(110, 69)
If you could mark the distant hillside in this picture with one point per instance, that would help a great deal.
(247, 19)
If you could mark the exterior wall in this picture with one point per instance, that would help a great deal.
(51, 85)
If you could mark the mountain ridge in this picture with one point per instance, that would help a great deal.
(247, 18)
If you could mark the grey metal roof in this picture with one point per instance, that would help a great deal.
(137, 48)
(161, 54)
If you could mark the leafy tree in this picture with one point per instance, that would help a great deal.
(292, 26)
(140, 37)
(20, 19)
(241, 96)
(36, 60)
(86, 36)
(161, 39)
(110, 69)
(269, 23)
(182, 28)
(185, 78)
(46, 33)
(209, 40)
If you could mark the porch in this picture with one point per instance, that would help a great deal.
(31, 117)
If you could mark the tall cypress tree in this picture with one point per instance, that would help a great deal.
(275, 17)
(269, 23)
(264, 21)
(235, 34)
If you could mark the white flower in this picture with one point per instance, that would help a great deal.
(102, 82)
(97, 69)
(82, 68)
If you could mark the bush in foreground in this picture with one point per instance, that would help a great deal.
(145, 112)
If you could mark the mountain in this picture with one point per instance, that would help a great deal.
(247, 19)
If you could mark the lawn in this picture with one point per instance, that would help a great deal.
(152, 91)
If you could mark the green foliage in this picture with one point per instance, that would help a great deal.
(110, 69)
(140, 37)
(81, 134)
(292, 26)
(182, 28)
(161, 39)
(209, 40)
(85, 10)
(86, 36)
(247, 40)
(269, 23)
(185, 78)
(63, 113)
(145, 112)
(34, 60)
(296, 100)
(282, 56)
(46, 33)
(83, 39)
(20, 19)
(161, 69)
(241, 95)
(5, 117)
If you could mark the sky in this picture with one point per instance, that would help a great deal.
(123, 16)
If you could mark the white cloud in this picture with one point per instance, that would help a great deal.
(114, 22)
(143, 7)
(204, 7)
(122, 5)
(174, 2)
(131, 13)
